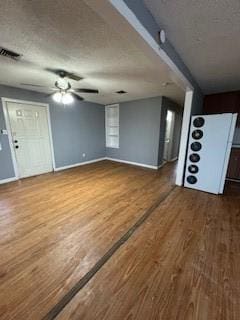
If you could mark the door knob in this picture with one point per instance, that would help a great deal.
(15, 141)
(16, 147)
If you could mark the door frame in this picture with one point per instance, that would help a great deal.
(10, 138)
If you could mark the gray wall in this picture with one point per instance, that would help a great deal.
(139, 131)
(78, 128)
(197, 103)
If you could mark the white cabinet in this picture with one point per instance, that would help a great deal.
(209, 147)
(112, 125)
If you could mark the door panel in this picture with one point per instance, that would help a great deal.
(29, 126)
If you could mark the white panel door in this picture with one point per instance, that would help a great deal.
(29, 127)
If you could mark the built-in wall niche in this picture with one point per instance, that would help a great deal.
(112, 125)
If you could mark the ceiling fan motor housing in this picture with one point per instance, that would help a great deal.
(62, 74)
(62, 84)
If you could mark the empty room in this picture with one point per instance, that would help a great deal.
(119, 160)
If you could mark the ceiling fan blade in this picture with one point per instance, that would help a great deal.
(86, 90)
(77, 97)
(33, 85)
(49, 95)
(74, 76)
(64, 74)
(58, 72)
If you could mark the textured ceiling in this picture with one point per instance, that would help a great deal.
(69, 35)
(206, 34)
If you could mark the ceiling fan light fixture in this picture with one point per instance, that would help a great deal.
(57, 97)
(67, 98)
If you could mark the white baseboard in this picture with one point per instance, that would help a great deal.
(173, 159)
(161, 165)
(78, 164)
(133, 163)
(8, 180)
(89, 162)
(234, 180)
(92, 161)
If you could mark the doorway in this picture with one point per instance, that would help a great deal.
(29, 137)
(169, 134)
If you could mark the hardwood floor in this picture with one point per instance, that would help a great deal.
(181, 263)
(55, 227)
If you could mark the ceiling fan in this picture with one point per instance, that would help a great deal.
(63, 91)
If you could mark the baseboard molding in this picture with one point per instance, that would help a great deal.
(161, 165)
(233, 180)
(92, 161)
(133, 163)
(79, 164)
(173, 159)
(8, 180)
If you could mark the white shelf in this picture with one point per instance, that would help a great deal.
(112, 126)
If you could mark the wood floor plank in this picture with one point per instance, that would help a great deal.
(182, 264)
(55, 227)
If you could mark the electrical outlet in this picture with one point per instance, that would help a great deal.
(84, 155)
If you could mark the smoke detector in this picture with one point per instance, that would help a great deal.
(161, 37)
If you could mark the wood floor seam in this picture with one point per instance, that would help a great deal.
(57, 309)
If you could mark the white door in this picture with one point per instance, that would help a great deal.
(29, 127)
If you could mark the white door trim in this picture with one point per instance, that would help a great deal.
(172, 135)
(10, 138)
